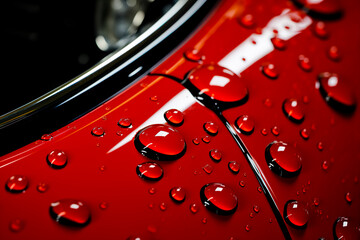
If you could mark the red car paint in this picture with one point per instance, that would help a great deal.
(227, 189)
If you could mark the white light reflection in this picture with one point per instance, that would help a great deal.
(286, 29)
(219, 81)
(182, 101)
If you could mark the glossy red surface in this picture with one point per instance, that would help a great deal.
(101, 171)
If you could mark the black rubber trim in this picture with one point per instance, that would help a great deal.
(95, 86)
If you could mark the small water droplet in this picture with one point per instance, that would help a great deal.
(348, 197)
(316, 202)
(336, 93)
(268, 102)
(103, 205)
(152, 190)
(206, 139)
(245, 124)
(154, 98)
(70, 212)
(215, 155)
(248, 228)
(296, 214)
(320, 30)
(17, 184)
(152, 229)
(259, 189)
(219, 198)
(204, 220)
(163, 206)
(247, 21)
(333, 53)
(325, 165)
(194, 208)
(46, 137)
(293, 109)
(242, 183)
(178, 194)
(304, 63)
(275, 130)
(320, 146)
(42, 187)
(193, 55)
(125, 123)
(196, 141)
(57, 159)
(344, 228)
(174, 117)
(16, 225)
(234, 167)
(283, 159)
(278, 43)
(305, 133)
(150, 171)
(269, 70)
(98, 131)
(264, 131)
(256, 209)
(211, 128)
(208, 168)
(160, 142)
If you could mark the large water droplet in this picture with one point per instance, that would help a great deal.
(293, 109)
(234, 167)
(336, 93)
(17, 184)
(245, 124)
(219, 198)
(323, 8)
(57, 159)
(210, 83)
(98, 131)
(178, 194)
(150, 171)
(296, 214)
(345, 229)
(160, 142)
(70, 212)
(283, 159)
(215, 155)
(174, 117)
(269, 70)
(211, 128)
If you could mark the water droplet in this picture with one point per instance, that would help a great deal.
(178, 194)
(234, 167)
(196, 141)
(320, 146)
(348, 197)
(160, 142)
(278, 43)
(103, 205)
(293, 109)
(247, 21)
(336, 93)
(264, 132)
(204, 220)
(324, 8)
(125, 122)
(245, 124)
(316, 202)
(275, 130)
(218, 86)
(211, 128)
(296, 214)
(304, 63)
(345, 229)
(46, 137)
(215, 155)
(283, 159)
(98, 131)
(153, 98)
(150, 171)
(248, 228)
(305, 133)
(163, 206)
(219, 198)
(152, 229)
(325, 165)
(259, 189)
(269, 70)
(152, 190)
(70, 212)
(208, 168)
(320, 30)
(256, 209)
(193, 55)
(206, 139)
(17, 184)
(16, 225)
(57, 159)
(194, 208)
(268, 102)
(174, 117)
(242, 183)
(42, 187)
(333, 53)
